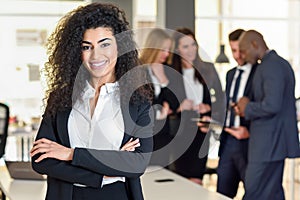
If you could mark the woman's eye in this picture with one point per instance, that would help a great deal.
(103, 45)
(85, 48)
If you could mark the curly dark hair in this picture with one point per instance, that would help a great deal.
(64, 62)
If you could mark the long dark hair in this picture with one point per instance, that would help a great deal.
(64, 50)
(177, 59)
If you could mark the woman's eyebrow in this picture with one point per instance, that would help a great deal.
(102, 40)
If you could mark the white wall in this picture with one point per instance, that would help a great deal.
(23, 96)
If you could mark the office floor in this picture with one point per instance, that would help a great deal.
(210, 181)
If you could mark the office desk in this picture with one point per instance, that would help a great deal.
(180, 188)
(20, 189)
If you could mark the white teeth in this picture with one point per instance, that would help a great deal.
(98, 64)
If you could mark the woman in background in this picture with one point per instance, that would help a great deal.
(194, 102)
(94, 143)
(154, 54)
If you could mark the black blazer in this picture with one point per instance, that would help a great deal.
(247, 93)
(88, 165)
(188, 143)
(176, 87)
(212, 80)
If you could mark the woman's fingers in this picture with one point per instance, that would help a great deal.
(126, 145)
(50, 149)
(42, 157)
(202, 108)
(131, 145)
(39, 145)
(43, 140)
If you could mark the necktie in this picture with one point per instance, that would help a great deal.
(233, 98)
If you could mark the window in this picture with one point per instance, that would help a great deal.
(280, 30)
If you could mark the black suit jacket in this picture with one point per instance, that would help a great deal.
(176, 90)
(88, 165)
(272, 111)
(188, 143)
(247, 93)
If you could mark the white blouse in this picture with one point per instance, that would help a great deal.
(193, 88)
(105, 129)
(157, 88)
(156, 84)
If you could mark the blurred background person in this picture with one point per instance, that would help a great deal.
(272, 113)
(193, 101)
(154, 54)
(234, 138)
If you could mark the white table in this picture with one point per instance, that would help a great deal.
(20, 189)
(178, 189)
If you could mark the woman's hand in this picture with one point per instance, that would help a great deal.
(204, 126)
(165, 111)
(186, 104)
(131, 145)
(202, 108)
(50, 149)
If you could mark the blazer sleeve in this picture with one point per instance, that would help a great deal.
(273, 85)
(61, 169)
(121, 163)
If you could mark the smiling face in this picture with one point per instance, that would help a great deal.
(187, 48)
(234, 45)
(99, 55)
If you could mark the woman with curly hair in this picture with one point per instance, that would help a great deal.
(95, 139)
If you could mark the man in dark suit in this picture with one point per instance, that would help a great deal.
(234, 138)
(272, 112)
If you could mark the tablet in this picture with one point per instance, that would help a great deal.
(205, 121)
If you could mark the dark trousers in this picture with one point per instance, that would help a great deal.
(231, 170)
(264, 181)
(114, 191)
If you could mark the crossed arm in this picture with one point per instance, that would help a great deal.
(50, 149)
(51, 155)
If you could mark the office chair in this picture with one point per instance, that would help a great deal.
(4, 119)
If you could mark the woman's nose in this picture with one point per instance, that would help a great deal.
(97, 53)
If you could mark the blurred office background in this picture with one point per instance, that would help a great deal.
(26, 24)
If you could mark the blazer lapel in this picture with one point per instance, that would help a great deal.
(129, 113)
(62, 125)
